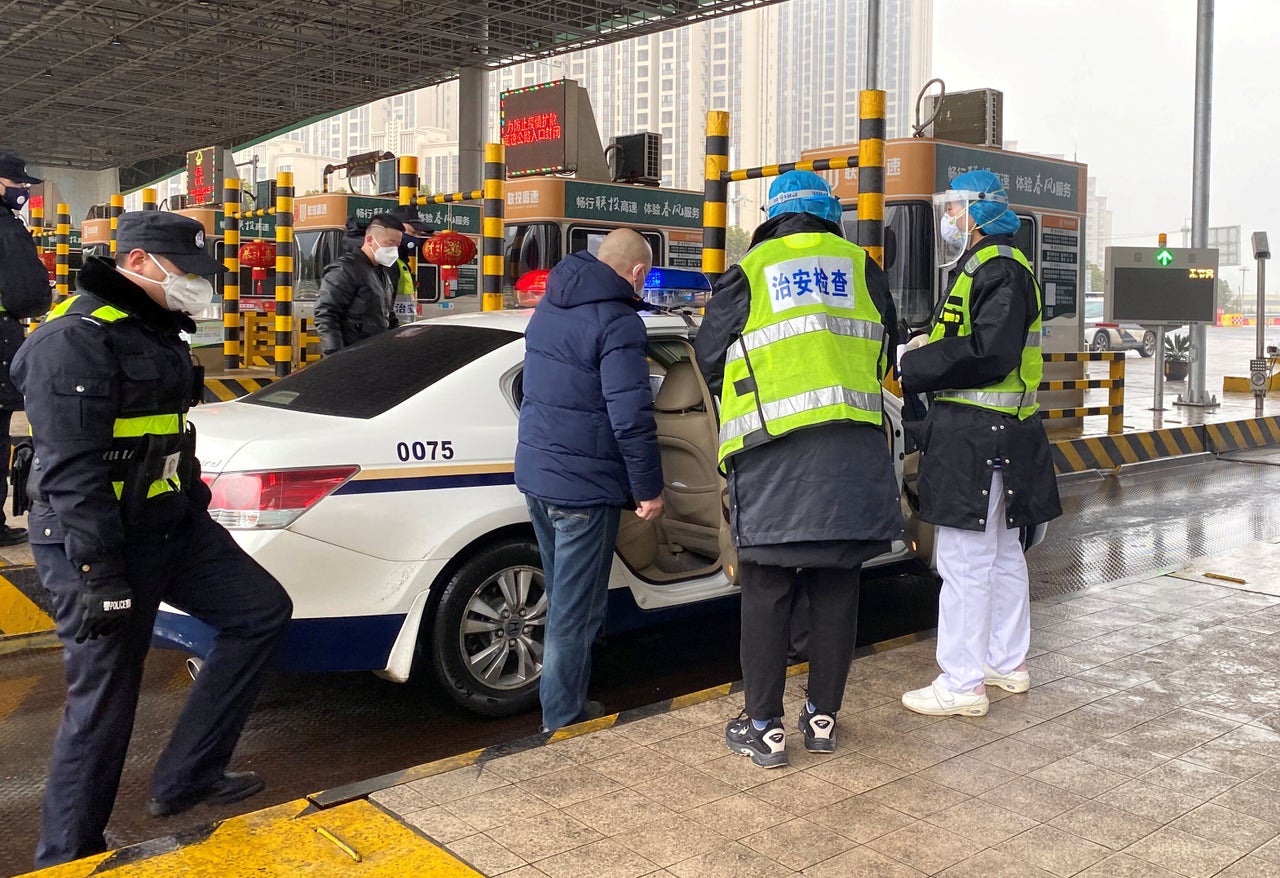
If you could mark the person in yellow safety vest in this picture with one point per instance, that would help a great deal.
(986, 470)
(415, 233)
(794, 344)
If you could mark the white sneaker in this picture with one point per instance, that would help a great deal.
(1015, 681)
(936, 700)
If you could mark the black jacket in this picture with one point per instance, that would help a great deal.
(79, 374)
(963, 443)
(356, 301)
(824, 496)
(587, 434)
(24, 292)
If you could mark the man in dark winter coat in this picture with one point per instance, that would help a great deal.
(986, 470)
(587, 448)
(794, 344)
(357, 292)
(24, 292)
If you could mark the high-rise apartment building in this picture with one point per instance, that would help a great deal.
(1097, 227)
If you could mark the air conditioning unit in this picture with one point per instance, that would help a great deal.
(967, 117)
(637, 158)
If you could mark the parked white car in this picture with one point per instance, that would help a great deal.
(378, 486)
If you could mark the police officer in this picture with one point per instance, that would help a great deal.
(24, 292)
(795, 343)
(986, 470)
(119, 523)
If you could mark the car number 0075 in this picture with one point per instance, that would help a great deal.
(433, 450)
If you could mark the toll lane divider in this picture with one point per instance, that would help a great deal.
(1115, 451)
(286, 840)
(227, 389)
(24, 608)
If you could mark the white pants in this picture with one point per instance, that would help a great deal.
(984, 610)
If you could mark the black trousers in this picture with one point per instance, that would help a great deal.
(766, 626)
(203, 572)
(6, 418)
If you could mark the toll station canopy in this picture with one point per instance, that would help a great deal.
(134, 84)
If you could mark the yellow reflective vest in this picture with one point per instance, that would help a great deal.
(813, 349)
(1015, 394)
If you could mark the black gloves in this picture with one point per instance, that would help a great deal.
(108, 604)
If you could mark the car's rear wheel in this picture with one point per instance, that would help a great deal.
(1148, 348)
(488, 630)
(1102, 340)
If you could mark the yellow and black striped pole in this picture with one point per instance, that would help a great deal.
(37, 224)
(715, 195)
(495, 205)
(148, 199)
(871, 134)
(284, 273)
(451, 198)
(117, 208)
(62, 253)
(408, 191)
(231, 280)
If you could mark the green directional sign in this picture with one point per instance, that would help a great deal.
(1164, 257)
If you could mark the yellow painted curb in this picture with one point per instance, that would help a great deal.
(288, 840)
(18, 615)
(1239, 384)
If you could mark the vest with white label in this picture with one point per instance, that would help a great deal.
(812, 351)
(1015, 394)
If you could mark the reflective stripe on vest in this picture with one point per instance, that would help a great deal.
(812, 350)
(134, 427)
(1015, 394)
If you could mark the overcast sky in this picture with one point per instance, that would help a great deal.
(1112, 82)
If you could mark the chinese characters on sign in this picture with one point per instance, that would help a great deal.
(531, 129)
(657, 207)
(204, 175)
(815, 280)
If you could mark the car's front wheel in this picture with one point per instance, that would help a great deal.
(487, 633)
(1102, 340)
(1148, 348)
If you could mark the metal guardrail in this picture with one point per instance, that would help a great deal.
(1114, 384)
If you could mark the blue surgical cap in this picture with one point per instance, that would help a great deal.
(993, 217)
(802, 192)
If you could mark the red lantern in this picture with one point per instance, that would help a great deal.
(258, 255)
(50, 260)
(449, 248)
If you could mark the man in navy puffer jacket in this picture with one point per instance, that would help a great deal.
(588, 447)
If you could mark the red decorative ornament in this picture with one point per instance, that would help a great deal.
(258, 255)
(50, 260)
(449, 248)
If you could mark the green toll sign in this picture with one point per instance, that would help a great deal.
(1164, 257)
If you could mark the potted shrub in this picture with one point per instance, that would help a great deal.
(1177, 356)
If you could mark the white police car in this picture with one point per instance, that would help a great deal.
(378, 486)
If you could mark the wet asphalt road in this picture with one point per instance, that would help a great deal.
(316, 732)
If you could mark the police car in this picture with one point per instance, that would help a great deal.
(378, 486)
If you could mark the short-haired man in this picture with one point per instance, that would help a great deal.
(357, 293)
(588, 447)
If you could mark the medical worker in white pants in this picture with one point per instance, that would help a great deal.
(986, 471)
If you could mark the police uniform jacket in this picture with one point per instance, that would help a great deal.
(24, 292)
(963, 444)
(823, 496)
(79, 374)
(356, 301)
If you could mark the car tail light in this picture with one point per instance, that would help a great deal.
(531, 286)
(272, 499)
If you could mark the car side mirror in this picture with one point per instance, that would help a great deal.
(890, 248)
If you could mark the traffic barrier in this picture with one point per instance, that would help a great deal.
(62, 251)
(1114, 452)
(1223, 319)
(231, 282)
(871, 173)
(284, 274)
(1114, 410)
(228, 389)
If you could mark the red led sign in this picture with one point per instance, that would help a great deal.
(531, 129)
(204, 175)
(537, 128)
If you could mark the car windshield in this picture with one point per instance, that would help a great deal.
(373, 377)
(1093, 310)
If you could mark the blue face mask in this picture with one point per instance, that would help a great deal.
(15, 197)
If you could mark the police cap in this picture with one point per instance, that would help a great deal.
(178, 238)
(14, 167)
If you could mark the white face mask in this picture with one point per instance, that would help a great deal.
(385, 256)
(188, 293)
(951, 232)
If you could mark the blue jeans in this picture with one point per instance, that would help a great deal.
(577, 545)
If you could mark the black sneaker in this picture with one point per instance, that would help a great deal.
(12, 536)
(234, 786)
(767, 747)
(819, 730)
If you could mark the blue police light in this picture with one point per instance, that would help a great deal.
(677, 287)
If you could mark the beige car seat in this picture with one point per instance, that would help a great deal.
(687, 437)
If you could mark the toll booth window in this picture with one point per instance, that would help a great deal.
(357, 383)
(1025, 238)
(587, 238)
(530, 247)
(911, 275)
